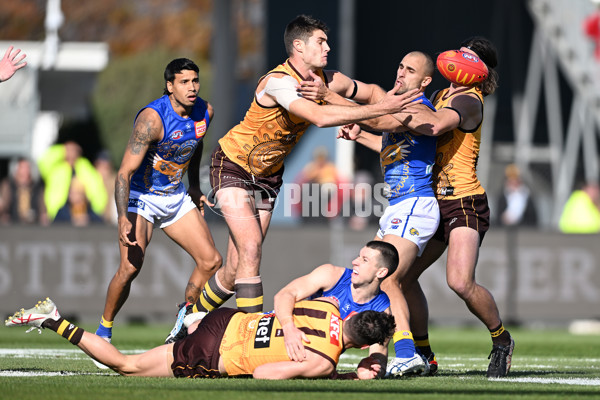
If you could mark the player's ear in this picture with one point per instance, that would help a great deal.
(169, 86)
(382, 272)
(298, 45)
(426, 81)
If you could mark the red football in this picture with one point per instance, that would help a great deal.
(462, 68)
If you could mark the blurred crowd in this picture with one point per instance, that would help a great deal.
(63, 187)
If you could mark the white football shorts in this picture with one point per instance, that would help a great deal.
(415, 219)
(162, 211)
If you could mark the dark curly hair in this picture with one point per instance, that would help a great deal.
(370, 327)
(486, 50)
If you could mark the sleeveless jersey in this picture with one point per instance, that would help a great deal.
(406, 163)
(342, 293)
(251, 340)
(260, 143)
(167, 161)
(455, 166)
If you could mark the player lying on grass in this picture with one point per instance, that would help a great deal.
(230, 342)
(355, 290)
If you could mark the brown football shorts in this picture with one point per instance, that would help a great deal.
(225, 173)
(470, 211)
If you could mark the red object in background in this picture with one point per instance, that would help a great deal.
(591, 27)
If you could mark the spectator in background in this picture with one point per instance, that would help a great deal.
(9, 64)
(321, 174)
(581, 213)
(77, 210)
(58, 165)
(515, 203)
(22, 196)
(105, 168)
(591, 27)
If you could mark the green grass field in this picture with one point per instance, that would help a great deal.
(546, 364)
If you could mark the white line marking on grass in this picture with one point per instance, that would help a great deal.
(562, 381)
(27, 374)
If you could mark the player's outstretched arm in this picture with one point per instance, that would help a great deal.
(315, 366)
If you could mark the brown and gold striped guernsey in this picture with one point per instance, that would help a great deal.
(260, 143)
(256, 339)
(457, 153)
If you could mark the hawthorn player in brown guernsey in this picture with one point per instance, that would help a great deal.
(463, 206)
(230, 342)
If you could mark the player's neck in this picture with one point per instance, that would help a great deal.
(301, 67)
(364, 293)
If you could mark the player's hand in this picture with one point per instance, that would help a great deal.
(293, 339)
(125, 236)
(349, 132)
(313, 89)
(199, 199)
(9, 64)
(396, 103)
(368, 368)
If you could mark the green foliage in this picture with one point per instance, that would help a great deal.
(127, 85)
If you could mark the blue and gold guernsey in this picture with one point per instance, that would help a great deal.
(167, 161)
(406, 163)
(342, 292)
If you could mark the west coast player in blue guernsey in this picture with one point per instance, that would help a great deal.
(165, 144)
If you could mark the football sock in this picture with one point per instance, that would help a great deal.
(64, 328)
(422, 344)
(213, 296)
(500, 335)
(249, 294)
(105, 328)
(404, 344)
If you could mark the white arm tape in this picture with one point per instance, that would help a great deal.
(283, 90)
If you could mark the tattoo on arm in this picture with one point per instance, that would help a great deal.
(122, 194)
(142, 137)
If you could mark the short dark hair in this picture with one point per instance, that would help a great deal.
(486, 50)
(370, 327)
(175, 67)
(301, 27)
(388, 255)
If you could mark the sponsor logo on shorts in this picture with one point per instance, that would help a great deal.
(137, 203)
(396, 221)
(414, 232)
(453, 220)
(263, 332)
(334, 330)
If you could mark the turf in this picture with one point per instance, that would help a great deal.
(547, 364)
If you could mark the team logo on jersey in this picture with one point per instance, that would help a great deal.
(176, 135)
(414, 231)
(334, 330)
(200, 129)
(263, 332)
(136, 203)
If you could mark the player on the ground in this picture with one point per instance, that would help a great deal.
(355, 290)
(230, 342)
